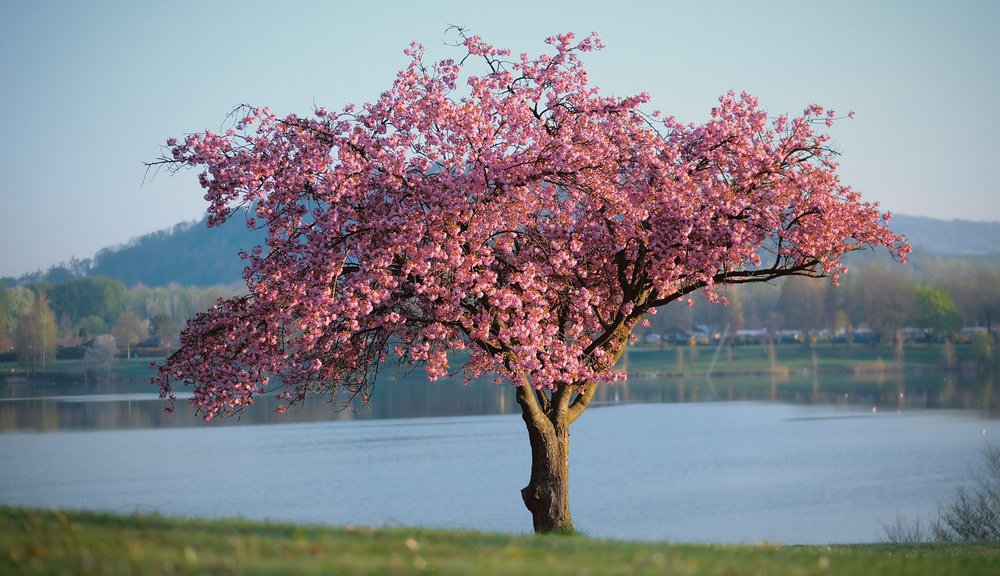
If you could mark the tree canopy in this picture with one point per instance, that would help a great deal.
(532, 220)
(35, 337)
(79, 298)
(517, 213)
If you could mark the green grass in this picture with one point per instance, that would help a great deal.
(824, 357)
(55, 542)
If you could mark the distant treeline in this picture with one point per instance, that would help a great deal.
(40, 320)
(143, 293)
(931, 299)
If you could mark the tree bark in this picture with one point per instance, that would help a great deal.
(548, 420)
(547, 494)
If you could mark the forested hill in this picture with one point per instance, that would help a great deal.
(949, 237)
(192, 254)
(189, 254)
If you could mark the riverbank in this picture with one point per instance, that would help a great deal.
(785, 359)
(57, 542)
(656, 361)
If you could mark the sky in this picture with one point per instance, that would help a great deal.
(89, 91)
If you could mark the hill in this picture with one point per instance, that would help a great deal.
(949, 237)
(192, 254)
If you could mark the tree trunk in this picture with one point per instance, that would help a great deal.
(548, 418)
(547, 494)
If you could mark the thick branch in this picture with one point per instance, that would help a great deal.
(530, 410)
(614, 347)
(806, 268)
(582, 400)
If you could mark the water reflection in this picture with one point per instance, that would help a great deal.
(893, 391)
(131, 404)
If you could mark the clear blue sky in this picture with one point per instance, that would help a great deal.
(90, 90)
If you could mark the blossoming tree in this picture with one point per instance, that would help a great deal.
(517, 214)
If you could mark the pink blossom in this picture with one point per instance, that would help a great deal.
(534, 222)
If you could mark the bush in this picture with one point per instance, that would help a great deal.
(973, 516)
(982, 348)
(902, 531)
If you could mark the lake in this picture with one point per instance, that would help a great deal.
(716, 471)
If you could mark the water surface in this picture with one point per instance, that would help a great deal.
(693, 472)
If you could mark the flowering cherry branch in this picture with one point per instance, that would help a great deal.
(524, 218)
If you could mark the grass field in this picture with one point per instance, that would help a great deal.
(825, 358)
(54, 542)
